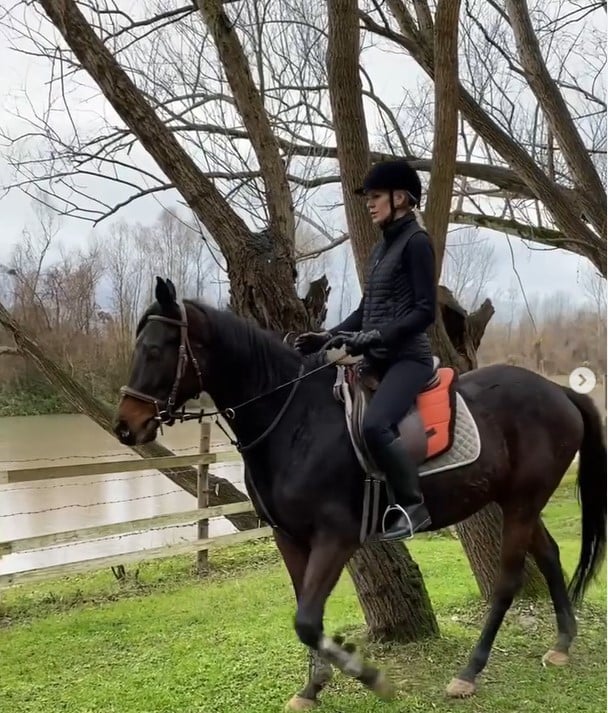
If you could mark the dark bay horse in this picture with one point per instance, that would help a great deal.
(302, 472)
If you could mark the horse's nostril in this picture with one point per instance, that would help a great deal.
(122, 430)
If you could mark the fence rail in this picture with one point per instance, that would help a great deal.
(85, 534)
(198, 516)
(25, 475)
(180, 548)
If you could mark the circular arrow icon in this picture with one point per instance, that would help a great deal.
(582, 380)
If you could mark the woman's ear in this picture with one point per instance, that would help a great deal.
(401, 200)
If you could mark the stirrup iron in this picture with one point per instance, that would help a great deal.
(400, 509)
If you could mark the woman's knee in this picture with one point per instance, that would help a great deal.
(374, 431)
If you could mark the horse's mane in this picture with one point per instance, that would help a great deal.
(237, 335)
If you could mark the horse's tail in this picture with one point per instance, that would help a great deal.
(591, 487)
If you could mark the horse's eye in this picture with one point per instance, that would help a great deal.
(152, 351)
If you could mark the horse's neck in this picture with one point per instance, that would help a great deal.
(248, 380)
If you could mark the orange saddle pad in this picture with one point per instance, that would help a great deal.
(437, 408)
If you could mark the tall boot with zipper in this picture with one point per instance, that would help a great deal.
(402, 474)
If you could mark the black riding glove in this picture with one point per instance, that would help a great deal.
(362, 341)
(311, 342)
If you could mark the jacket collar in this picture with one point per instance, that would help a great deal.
(392, 230)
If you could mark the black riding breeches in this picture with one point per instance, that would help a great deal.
(396, 394)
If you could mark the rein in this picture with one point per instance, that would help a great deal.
(168, 416)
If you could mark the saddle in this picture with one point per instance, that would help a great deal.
(427, 428)
(438, 431)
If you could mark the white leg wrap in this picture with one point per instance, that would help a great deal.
(349, 663)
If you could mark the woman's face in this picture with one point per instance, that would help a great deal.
(379, 205)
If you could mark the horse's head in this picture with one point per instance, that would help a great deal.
(164, 370)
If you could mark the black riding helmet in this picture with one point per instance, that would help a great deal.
(393, 175)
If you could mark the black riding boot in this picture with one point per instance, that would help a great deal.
(402, 474)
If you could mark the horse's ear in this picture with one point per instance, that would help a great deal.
(172, 289)
(165, 292)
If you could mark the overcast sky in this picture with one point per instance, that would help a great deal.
(22, 82)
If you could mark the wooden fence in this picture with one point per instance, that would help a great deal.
(199, 516)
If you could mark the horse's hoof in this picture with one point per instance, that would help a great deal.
(297, 703)
(458, 688)
(383, 688)
(555, 658)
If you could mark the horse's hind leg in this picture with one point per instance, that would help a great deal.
(319, 671)
(328, 557)
(545, 551)
(516, 536)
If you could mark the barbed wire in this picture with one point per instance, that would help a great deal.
(100, 456)
(116, 537)
(125, 478)
(107, 502)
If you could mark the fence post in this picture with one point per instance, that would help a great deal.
(605, 395)
(202, 491)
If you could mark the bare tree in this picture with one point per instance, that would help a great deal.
(504, 122)
(344, 281)
(594, 286)
(124, 274)
(511, 176)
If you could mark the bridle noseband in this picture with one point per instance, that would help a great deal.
(167, 415)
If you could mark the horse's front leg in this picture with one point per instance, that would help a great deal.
(328, 557)
(320, 672)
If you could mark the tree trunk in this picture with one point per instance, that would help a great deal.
(401, 611)
(346, 98)
(390, 587)
(262, 288)
(445, 132)
(457, 332)
(480, 536)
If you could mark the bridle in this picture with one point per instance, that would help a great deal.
(165, 411)
(167, 415)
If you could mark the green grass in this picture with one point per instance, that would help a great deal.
(37, 399)
(163, 642)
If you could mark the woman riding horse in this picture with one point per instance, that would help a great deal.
(398, 305)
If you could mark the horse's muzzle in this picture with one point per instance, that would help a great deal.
(128, 437)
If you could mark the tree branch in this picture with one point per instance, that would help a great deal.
(574, 151)
(326, 248)
(561, 205)
(445, 141)
(345, 94)
(10, 351)
(259, 131)
(227, 228)
(535, 233)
